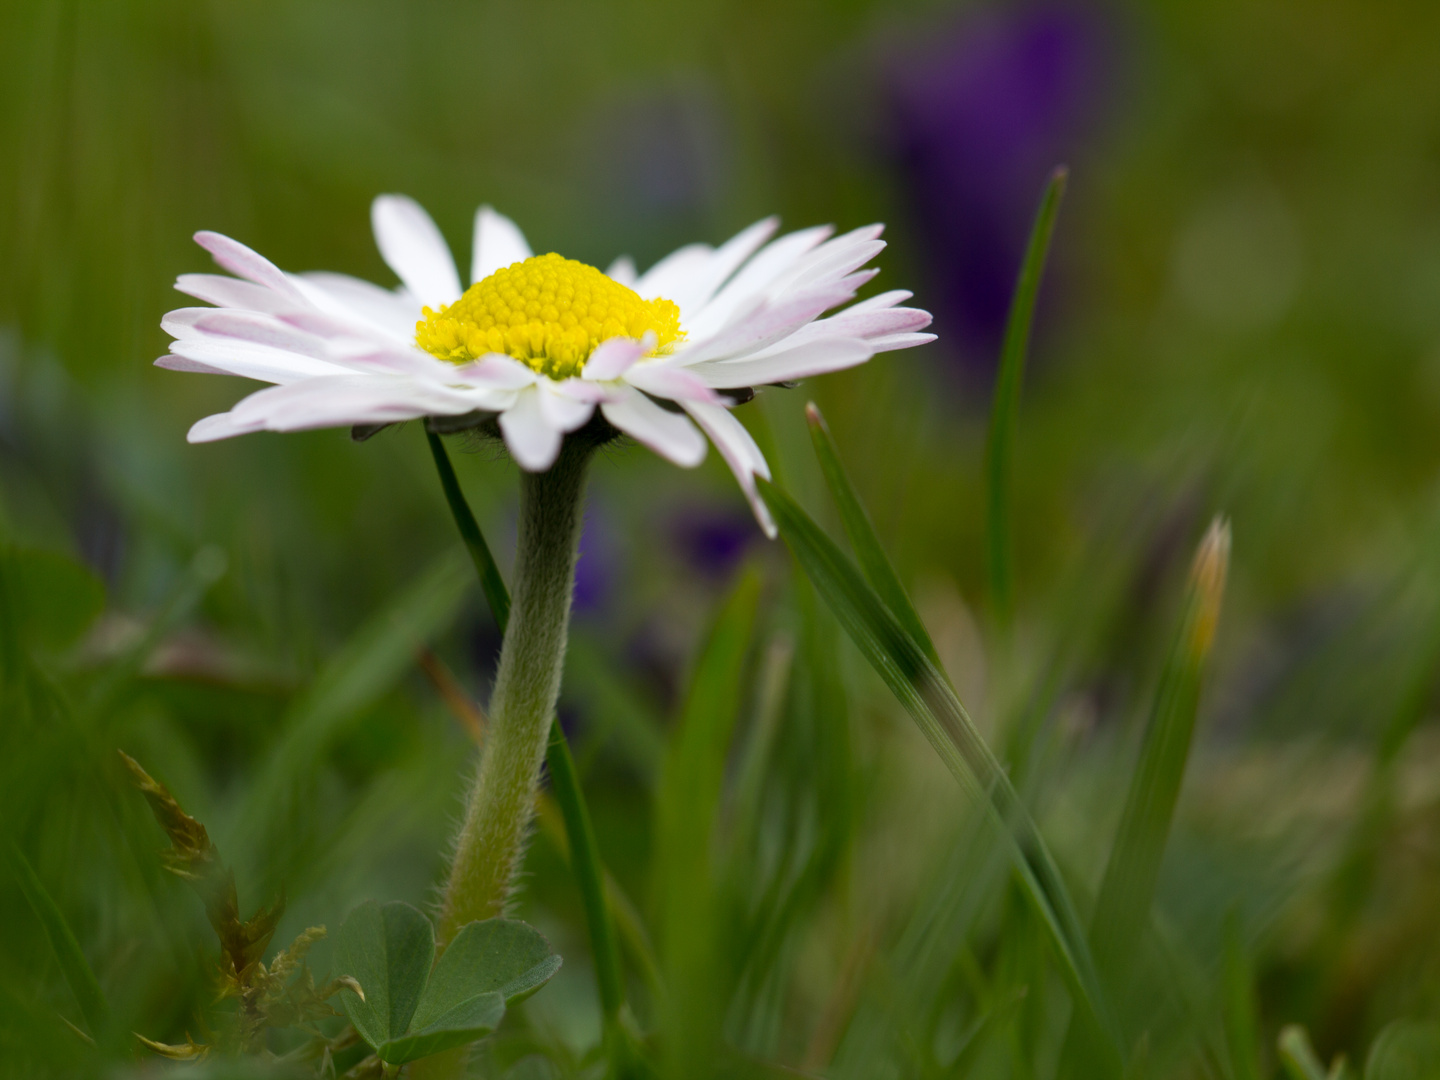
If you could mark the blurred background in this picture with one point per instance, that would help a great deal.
(1241, 317)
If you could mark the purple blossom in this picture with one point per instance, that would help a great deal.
(980, 115)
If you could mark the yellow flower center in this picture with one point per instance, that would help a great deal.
(548, 312)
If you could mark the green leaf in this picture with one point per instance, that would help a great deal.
(471, 1019)
(388, 950)
(489, 965)
(505, 956)
(925, 693)
(410, 1011)
(55, 597)
(873, 560)
(1005, 407)
(73, 965)
(1405, 1050)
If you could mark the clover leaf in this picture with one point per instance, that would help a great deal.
(410, 1011)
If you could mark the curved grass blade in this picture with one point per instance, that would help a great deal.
(73, 965)
(1006, 404)
(926, 695)
(1122, 908)
(858, 527)
(493, 585)
(1123, 905)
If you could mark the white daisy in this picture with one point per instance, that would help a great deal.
(540, 342)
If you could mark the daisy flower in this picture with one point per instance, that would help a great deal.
(538, 343)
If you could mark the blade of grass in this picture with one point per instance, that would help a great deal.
(861, 532)
(1128, 887)
(687, 808)
(1005, 407)
(73, 965)
(491, 583)
(926, 695)
(1238, 1006)
(1122, 908)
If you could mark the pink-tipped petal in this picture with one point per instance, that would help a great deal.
(243, 262)
(229, 292)
(613, 357)
(669, 381)
(812, 358)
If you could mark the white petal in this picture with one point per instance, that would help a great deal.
(613, 357)
(562, 410)
(220, 426)
(333, 402)
(669, 434)
(859, 321)
(254, 361)
(222, 325)
(838, 257)
(891, 342)
(729, 257)
(773, 260)
(393, 313)
(884, 300)
(498, 371)
(243, 262)
(183, 363)
(740, 453)
(498, 243)
(531, 440)
(623, 271)
(674, 275)
(691, 275)
(768, 323)
(231, 292)
(413, 247)
(670, 381)
(812, 358)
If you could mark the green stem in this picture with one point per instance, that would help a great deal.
(502, 799)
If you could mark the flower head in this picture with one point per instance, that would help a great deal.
(540, 342)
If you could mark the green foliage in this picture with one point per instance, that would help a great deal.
(73, 965)
(929, 699)
(51, 597)
(404, 1009)
(1405, 1050)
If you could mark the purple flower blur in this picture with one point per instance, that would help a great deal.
(980, 116)
(712, 540)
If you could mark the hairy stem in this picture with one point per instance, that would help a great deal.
(502, 799)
